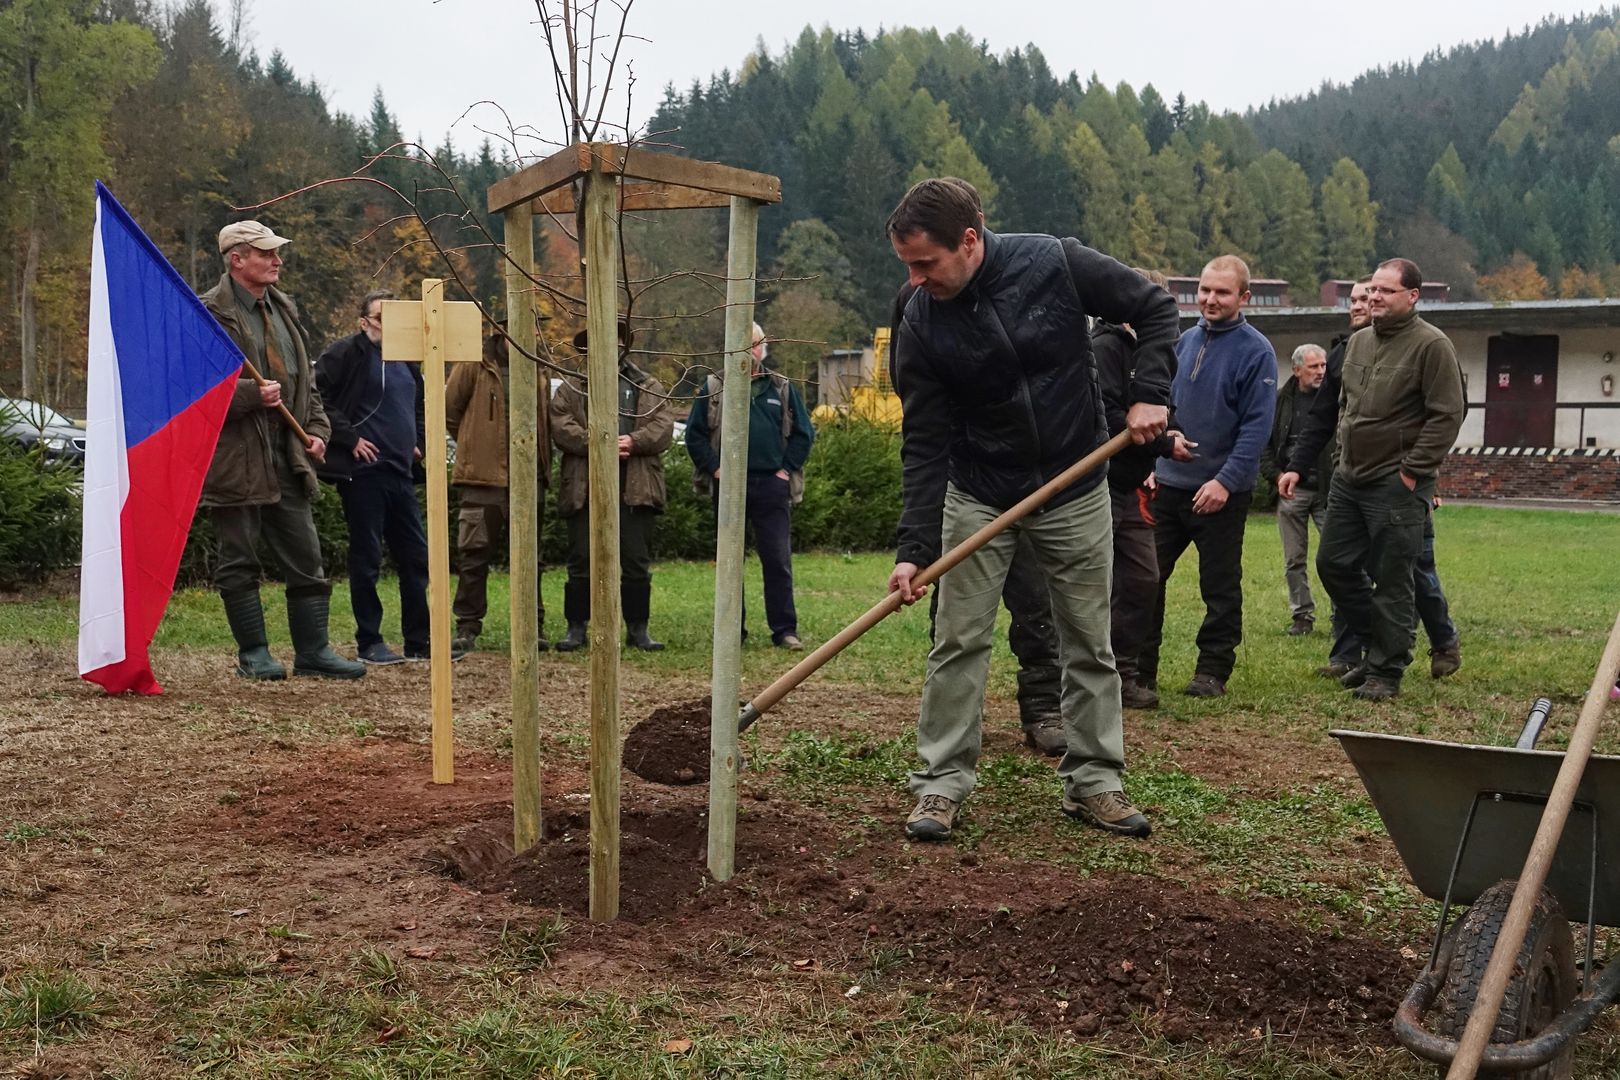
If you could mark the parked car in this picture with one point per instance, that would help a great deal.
(33, 424)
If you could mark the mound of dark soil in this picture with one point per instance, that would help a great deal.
(672, 745)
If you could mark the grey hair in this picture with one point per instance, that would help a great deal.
(1305, 350)
(373, 296)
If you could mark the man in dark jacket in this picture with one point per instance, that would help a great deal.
(375, 409)
(1226, 378)
(779, 439)
(999, 395)
(646, 429)
(260, 483)
(1401, 405)
(1294, 514)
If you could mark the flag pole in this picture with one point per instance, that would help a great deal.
(286, 414)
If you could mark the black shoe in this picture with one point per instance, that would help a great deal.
(1045, 736)
(1335, 670)
(1204, 684)
(466, 643)
(573, 639)
(1354, 677)
(421, 654)
(1133, 695)
(1445, 659)
(636, 636)
(378, 654)
(1301, 627)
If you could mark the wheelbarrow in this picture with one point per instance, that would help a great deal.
(1519, 834)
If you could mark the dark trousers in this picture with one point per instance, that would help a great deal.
(1135, 588)
(288, 530)
(1368, 559)
(635, 546)
(1428, 597)
(1219, 540)
(481, 526)
(769, 514)
(378, 506)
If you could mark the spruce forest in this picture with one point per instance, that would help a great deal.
(1494, 164)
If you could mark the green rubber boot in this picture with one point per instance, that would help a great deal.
(312, 651)
(245, 614)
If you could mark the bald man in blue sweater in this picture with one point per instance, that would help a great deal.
(1224, 396)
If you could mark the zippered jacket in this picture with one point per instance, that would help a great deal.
(998, 385)
(340, 376)
(1401, 404)
(1225, 394)
(475, 414)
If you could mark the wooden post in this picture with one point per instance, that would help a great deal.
(523, 533)
(438, 501)
(1505, 953)
(728, 545)
(602, 425)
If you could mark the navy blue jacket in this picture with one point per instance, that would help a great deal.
(1225, 397)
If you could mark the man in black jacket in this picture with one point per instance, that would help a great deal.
(999, 394)
(376, 452)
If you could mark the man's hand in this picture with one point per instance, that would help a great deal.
(900, 582)
(1411, 484)
(416, 453)
(1210, 498)
(1146, 422)
(1182, 447)
(1287, 484)
(625, 443)
(316, 447)
(782, 474)
(365, 450)
(270, 394)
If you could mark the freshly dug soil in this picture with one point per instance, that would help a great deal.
(1027, 940)
(672, 745)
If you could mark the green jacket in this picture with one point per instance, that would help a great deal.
(652, 429)
(243, 472)
(1401, 401)
(1275, 458)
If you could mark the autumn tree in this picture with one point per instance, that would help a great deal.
(1519, 279)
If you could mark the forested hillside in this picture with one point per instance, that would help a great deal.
(1496, 165)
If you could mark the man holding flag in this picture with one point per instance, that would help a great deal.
(261, 482)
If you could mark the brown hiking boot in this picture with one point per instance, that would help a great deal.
(932, 819)
(1445, 659)
(1110, 811)
(1133, 695)
(1046, 736)
(1204, 684)
(1353, 678)
(1377, 688)
(1335, 670)
(1301, 627)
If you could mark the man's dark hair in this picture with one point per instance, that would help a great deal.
(372, 297)
(1411, 276)
(944, 208)
(1363, 279)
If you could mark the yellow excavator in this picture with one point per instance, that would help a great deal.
(875, 402)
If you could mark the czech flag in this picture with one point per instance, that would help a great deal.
(161, 375)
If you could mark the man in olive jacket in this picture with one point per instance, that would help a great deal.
(261, 483)
(646, 430)
(1401, 405)
(475, 403)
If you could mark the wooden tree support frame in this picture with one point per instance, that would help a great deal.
(615, 179)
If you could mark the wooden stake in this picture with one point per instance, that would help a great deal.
(523, 534)
(1504, 956)
(602, 383)
(728, 545)
(438, 504)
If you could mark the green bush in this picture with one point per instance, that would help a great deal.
(39, 515)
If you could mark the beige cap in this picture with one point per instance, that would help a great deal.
(249, 232)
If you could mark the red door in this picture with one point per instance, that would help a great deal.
(1521, 390)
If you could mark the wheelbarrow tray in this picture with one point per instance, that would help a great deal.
(1424, 791)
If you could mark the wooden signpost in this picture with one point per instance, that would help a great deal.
(615, 179)
(434, 332)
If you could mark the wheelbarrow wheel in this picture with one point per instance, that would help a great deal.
(1542, 985)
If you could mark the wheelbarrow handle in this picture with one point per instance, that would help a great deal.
(925, 577)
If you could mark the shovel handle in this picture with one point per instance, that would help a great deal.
(929, 574)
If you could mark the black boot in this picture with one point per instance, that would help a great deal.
(577, 610)
(245, 614)
(307, 612)
(636, 597)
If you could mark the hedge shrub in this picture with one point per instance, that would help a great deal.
(39, 515)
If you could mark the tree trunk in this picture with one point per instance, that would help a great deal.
(30, 346)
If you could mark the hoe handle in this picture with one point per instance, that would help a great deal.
(927, 576)
(1504, 956)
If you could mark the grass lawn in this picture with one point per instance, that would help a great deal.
(1251, 801)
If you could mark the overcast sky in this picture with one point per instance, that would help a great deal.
(433, 58)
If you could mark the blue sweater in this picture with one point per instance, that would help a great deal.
(1224, 397)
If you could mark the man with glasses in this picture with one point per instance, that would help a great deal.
(375, 461)
(1401, 405)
